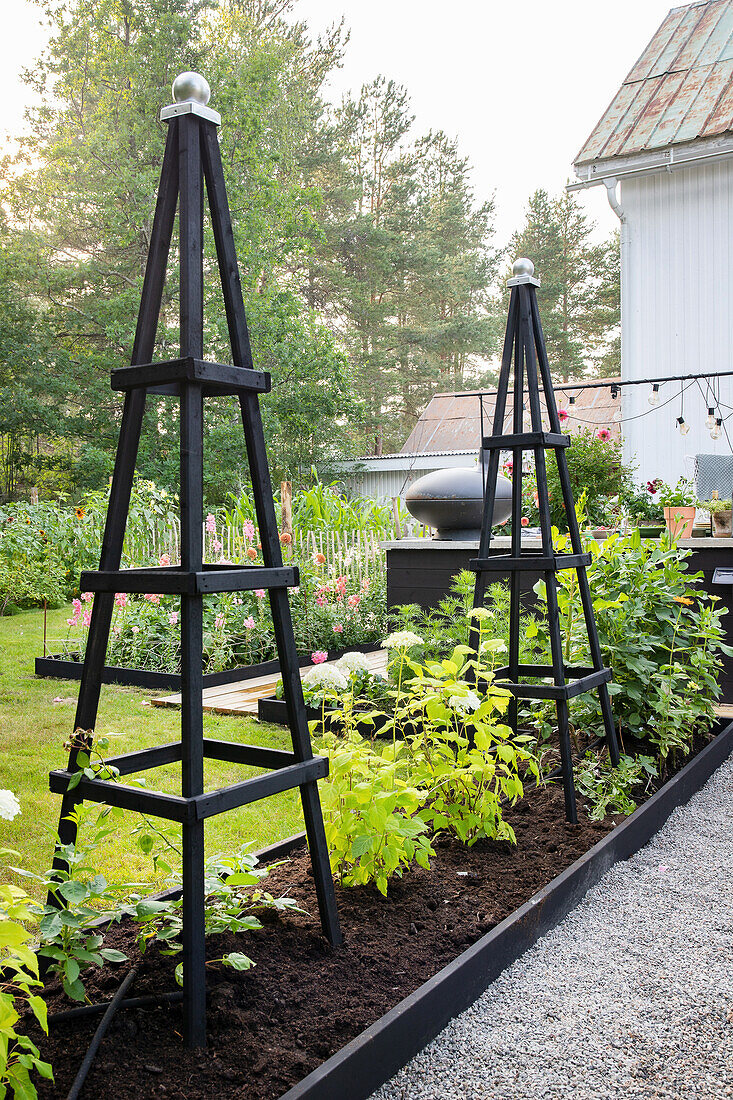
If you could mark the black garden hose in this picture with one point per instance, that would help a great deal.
(104, 1023)
(129, 1002)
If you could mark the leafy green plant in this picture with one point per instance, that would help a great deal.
(449, 766)
(19, 1056)
(230, 906)
(640, 506)
(660, 635)
(70, 938)
(448, 716)
(443, 627)
(608, 789)
(715, 506)
(681, 495)
(371, 813)
(596, 466)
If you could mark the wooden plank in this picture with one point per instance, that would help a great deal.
(241, 697)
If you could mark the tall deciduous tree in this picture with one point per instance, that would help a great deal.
(579, 292)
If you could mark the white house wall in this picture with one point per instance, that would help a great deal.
(676, 311)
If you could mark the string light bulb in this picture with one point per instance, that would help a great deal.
(717, 429)
(683, 427)
(654, 395)
(710, 418)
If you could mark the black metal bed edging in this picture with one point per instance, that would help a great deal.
(62, 668)
(387, 1045)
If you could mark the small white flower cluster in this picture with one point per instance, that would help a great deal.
(325, 676)
(480, 613)
(353, 662)
(402, 639)
(9, 805)
(465, 703)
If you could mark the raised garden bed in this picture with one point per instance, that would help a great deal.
(313, 1023)
(271, 709)
(65, 668)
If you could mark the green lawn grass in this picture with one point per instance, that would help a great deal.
(37, 716)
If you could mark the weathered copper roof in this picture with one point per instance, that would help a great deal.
(680, 89)
(453, 421)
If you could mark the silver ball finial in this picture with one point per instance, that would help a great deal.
(522, 266)
(191, 87)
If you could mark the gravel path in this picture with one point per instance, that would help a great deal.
(630, 996)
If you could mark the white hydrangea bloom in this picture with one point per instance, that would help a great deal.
(9, 805)
(326, 676)
(480, 613)
(402, 639)
(353, 662)
(465, 703)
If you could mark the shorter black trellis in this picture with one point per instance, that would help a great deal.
(524, 344)
(191, 157)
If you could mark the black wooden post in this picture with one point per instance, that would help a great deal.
(524, 344)
(192, 155)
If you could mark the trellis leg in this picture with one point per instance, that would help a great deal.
(124, 471)
(516, 545)
(553, 611)
(192, 507)
(575, 541)
(271, 551)
(479, 591)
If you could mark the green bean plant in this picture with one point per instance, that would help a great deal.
(230, 906)
(71, 938)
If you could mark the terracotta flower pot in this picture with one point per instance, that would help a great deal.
(679, 520)
(722, 524)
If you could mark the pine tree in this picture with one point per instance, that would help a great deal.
(579, 291)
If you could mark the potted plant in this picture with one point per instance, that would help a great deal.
(643, 510)
(679, 503)
(720, 510)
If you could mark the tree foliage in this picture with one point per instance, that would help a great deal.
(579, 296)
(369, 269)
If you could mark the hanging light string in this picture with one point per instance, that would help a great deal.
(712, 398)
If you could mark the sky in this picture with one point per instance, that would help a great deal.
(520, 85)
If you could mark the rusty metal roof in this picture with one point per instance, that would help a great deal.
(452, 421)
(680, 89)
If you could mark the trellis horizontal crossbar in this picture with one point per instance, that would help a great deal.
(580, 679)
(216, 379)
(527, 441)
(231, 751)
(165, 580)
(502, 563)
(289, 773)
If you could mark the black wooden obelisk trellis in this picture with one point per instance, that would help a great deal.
(192, 156)
(524, 344)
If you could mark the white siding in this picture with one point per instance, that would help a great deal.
(676, 310)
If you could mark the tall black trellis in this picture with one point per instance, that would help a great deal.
(191, 158)
(524, 344)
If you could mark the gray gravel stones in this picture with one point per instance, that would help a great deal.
(630, 996)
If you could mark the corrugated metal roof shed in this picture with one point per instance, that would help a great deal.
(680, 89)
(453, 421)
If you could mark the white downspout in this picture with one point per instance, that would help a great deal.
(613, 201)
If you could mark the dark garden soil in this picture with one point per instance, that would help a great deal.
(270, 1026)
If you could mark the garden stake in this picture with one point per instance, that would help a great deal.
(524, 344)
(192, 159)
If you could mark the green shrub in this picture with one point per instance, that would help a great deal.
(660, 635)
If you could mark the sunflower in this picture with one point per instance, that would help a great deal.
(80, 513)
